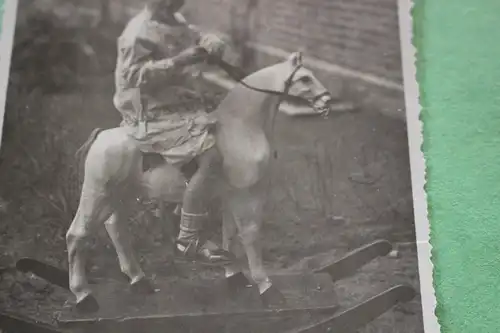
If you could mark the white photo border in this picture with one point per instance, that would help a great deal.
(9, 17)
(417, 164)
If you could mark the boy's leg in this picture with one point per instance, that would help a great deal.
(197, 198)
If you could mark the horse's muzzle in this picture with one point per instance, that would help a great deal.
(321, 103)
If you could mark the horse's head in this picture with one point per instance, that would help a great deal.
(302, 83)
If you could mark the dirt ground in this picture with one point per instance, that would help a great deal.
(337, 184)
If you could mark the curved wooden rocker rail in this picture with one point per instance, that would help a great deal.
(201, 312)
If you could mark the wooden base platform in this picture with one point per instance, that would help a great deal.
(206, 301)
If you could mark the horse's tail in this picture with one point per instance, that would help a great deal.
(82, 152)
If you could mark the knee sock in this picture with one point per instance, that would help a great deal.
(190, 225)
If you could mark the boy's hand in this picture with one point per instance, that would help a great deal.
(190, 56)
(213, 45)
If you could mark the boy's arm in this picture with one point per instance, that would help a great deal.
(139, 68)
(193, 29)
(209, 41)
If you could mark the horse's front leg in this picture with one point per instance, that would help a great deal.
(235, 278)
(230, 242)
(247, 207)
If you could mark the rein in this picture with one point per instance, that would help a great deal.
(237, 74)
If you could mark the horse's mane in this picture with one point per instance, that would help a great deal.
(254, 80)
(244, 104)
(257, 73)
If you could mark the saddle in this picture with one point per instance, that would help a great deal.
(153, 160)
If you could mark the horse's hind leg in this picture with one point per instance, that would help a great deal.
(94, 209)
(117, 231)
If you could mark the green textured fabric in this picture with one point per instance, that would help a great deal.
(458, 69)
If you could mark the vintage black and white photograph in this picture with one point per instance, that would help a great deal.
(207, 166)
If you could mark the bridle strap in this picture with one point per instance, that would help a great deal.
(237, 74)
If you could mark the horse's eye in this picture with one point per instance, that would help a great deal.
(305, 79)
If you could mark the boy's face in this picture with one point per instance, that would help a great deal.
(169, 7)
(176, 5)
(163, 10)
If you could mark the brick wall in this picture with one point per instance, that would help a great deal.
(361, 37)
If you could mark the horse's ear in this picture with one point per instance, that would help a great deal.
(296, 58)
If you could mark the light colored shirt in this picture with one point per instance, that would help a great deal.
(146, 82)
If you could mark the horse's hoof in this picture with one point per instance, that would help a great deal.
(237, 282)
(87, 305)
(143, 287)
(272, 297)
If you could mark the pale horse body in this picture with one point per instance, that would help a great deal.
(113, 175)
